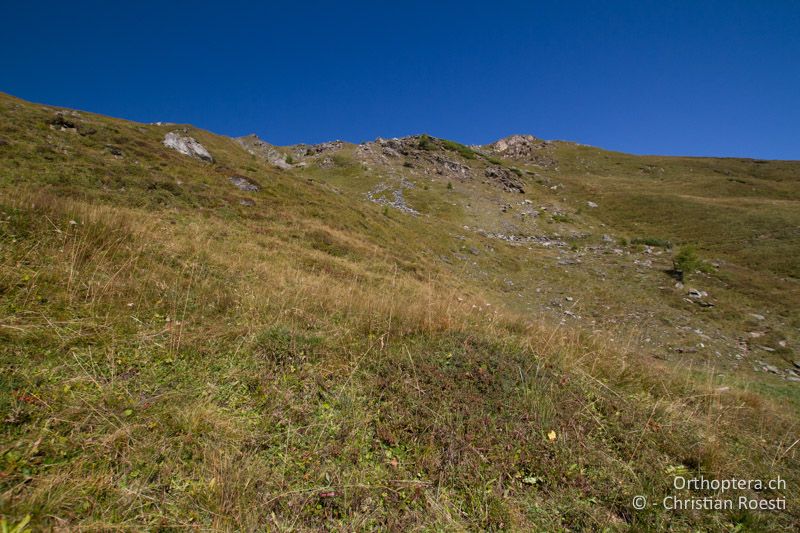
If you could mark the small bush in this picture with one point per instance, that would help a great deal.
(652, 241)
(687, 260)
(425, 142)
(465, 151)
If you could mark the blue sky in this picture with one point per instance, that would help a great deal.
(666, 77)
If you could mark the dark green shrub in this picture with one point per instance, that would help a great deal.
(652, 241)
(425, 142)
(687, 260)
(464, 151)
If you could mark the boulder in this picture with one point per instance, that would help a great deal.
(187, 146)
(245, 184)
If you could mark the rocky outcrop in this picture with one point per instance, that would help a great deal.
(452, 169)
(505, 178)
(526, 148)
(263, 150)
(187, 146)
(310, 150)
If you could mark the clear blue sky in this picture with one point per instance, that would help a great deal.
(669, 77)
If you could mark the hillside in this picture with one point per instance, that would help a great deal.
(407, 334)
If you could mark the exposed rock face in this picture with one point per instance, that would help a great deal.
(264, 150)
(187, 146)
(452, 168)
(517, 146)
(505, 178)
(525, 147)
(307, 150)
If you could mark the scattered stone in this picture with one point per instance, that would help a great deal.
(506, 179)
(757, 316)
(398, 201)
(591, 204)
(187, 146)
(608, 238)
(60, 123)
(796, 363)
(245, 184)
(247, 202)
(696, 294)
(771, 368)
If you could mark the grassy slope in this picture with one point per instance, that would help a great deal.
(175, 359)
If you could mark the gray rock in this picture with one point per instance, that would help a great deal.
(264, 150)
(591, 204)
(187, 146)
(796, 363)
(245, 184)
(506, 179)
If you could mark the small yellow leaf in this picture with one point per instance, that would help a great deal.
(551, 435)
